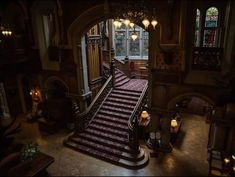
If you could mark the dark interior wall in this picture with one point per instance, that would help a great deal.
(68, 79)
(72, 9)
(13, 97)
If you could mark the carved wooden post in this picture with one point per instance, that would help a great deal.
(112, 71)
(133, 136)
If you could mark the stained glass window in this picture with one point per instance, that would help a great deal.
(211, 23)
(209, 38)
(211, 17)
(206, 35)
(197, 29)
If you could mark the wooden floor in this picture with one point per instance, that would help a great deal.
(188, 158)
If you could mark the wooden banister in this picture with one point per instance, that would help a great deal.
(83, 119)
(133, 121)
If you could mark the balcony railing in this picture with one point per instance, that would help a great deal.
(209, 59)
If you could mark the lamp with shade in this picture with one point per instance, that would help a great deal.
(144, 118)
(174, 123)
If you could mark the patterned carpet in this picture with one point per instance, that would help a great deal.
(134, 85)
(106, 137)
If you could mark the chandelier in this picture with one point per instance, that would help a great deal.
(135, 13)
(5, 30)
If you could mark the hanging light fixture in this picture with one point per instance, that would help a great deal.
(5, 30)
(115, 23)
(134, 35)
(132, 25)
(127, 22)
(146, 23)
(135, 13)
(154, 23)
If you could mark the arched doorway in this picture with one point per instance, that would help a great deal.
(191, 140)
(56, 88)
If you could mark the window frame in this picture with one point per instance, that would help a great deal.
(127, 39)
(202, 28)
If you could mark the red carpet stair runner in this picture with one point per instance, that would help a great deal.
(106, 137)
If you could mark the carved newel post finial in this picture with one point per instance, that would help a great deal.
(112, 71)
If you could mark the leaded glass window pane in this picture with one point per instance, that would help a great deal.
(134, 46)
(209, 38)
(145, 39)
(197, 29)
(211, 17)
(120, 43)
(124, 44)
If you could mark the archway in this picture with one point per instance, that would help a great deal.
(81, 25)
(56, 88)
(192, 138)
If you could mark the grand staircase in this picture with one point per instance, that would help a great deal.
(106, 136)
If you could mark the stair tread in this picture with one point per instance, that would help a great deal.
(109, 150)
(107, 157)
(110, 124)
(107, 129)
(120, 78)
(97, 146)
(121, 100)
(106, 135)
(117, 114)
(124, 96)
(126, 106)
(122, 82)
(92, 151)
(127, 92)
(113, 119)
(103, 141)
(116, 109)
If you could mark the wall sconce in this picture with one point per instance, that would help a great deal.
(174, 123)
(35, 94)
(226, 160)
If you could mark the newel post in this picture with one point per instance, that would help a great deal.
(112, 71)
(133, 136)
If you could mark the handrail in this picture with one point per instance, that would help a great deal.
(122, 62)
(87, 115)
(106, 65)
(133, 121)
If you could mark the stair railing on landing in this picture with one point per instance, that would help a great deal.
(110, 70)
(133, 121)
(82, 120)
